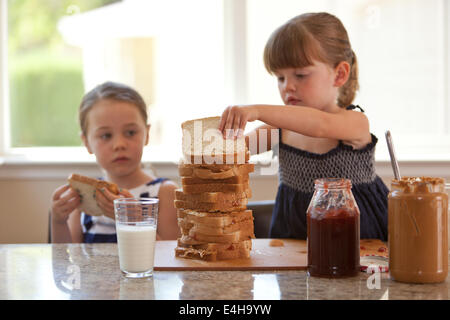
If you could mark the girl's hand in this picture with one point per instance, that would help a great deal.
(234, 119)
(64, 201)
(105, 200)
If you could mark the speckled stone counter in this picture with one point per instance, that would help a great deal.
(91, 271)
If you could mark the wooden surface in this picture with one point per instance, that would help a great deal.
(291, 256)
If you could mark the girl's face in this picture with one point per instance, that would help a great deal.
(116, 134)
(312, 86)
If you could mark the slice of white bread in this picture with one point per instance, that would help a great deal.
(214, 251)
(216, 187)
(244, 233)
(232, 180)
(87, 187)
(204, 143)
(197, 254)
(218, 220)
(216, 246)
(212, 255)
(198, 238)
(189, 228)
(212, 197)
(225, 206)
(215, 171)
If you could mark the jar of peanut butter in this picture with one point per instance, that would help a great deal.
(417, 230)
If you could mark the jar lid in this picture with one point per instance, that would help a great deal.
(373, 263)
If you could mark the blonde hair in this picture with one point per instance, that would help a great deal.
(313, 36)
(113, 91)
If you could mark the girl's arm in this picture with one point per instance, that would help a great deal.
(255, 133)
(167, 217)
(68, 231)
(346, 125)
(60, 232)
(74, 224)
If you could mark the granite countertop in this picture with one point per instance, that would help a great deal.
(91, 271)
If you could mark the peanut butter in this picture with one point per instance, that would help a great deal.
(417, 228)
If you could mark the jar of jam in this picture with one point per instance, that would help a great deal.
(333, 230)
(417, 230)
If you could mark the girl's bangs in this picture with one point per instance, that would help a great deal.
(291, 47)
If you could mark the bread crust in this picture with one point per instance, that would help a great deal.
(214, 219)
(218, 171)
(185, 123)
(218, 159)
(212, 197)
(98, 184)
(212, 207)
(188, 228)
(199, 238)
(215, 187)
(232, 180)
(214, 251)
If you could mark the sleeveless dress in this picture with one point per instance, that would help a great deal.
(103, 229)
(299, 168)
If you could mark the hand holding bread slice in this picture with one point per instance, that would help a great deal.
(204, 143)
(93, 192)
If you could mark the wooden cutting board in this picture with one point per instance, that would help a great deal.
(291, 256)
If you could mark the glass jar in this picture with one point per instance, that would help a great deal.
(417, 230)
(333, 230)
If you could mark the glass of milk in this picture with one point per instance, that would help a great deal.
(136, 221)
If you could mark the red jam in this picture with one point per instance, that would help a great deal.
(333, 232)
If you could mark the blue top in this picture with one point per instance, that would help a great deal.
(299, 168)
(102, 228)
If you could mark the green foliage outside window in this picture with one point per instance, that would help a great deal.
(45, 75)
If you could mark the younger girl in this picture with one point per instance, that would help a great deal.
(113, 120)
(321, 133)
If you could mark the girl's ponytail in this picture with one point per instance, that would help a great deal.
(348, 91)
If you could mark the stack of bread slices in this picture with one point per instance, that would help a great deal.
(212, 205)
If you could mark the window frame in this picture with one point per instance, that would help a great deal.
(3, 77)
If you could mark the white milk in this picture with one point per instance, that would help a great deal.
(136, 247)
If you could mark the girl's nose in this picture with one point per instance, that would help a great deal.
(119, 143)
(289, 85)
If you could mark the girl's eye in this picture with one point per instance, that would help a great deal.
(105, 136)
(300, 75)
(280, 79)
(130, 133)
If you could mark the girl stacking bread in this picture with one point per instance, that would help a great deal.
(322, 134)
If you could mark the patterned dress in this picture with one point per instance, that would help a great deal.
(297, 171)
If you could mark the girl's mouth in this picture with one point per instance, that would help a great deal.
(120, 159)
(293, 101)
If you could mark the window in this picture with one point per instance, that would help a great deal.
(174, 58)
(45, 73)
(195, 60)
